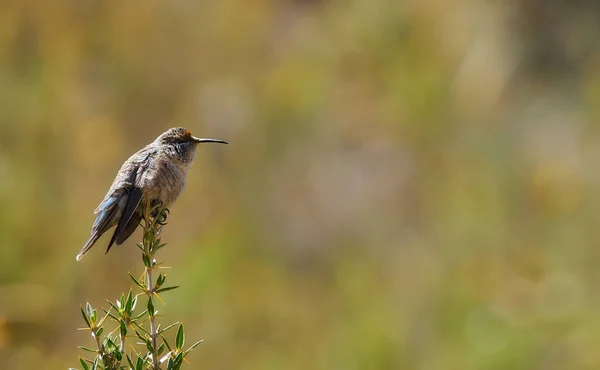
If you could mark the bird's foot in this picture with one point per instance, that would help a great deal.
(159, 213)
(162, 218)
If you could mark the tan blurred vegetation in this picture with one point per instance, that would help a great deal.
(409, 185)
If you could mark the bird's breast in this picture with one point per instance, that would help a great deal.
(165, 182)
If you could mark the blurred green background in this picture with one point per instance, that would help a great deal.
(408, 185)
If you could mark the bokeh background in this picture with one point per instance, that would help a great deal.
(409, 184)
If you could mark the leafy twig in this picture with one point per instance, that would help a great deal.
(109, 355)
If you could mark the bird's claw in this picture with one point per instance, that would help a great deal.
(162, 218)
(159, 212)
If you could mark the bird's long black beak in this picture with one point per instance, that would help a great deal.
(201, 140)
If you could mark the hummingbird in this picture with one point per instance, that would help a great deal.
(155, 175)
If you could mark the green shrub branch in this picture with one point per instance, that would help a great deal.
(137, 341)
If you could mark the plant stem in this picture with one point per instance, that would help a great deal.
(153, 330)
(151, 232)
(98, 345)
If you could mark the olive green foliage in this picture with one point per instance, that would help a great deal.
(114, 348)
(409, 184)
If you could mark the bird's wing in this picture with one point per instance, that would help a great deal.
(121, 200)
(129, 175)
(134, 194)
(133, 200)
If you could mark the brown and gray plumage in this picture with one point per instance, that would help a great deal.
(155, 174)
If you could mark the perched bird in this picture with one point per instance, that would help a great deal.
(155, 174)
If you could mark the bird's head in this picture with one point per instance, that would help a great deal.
(180, 142)
(179, 135)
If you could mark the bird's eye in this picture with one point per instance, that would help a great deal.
(187, 133)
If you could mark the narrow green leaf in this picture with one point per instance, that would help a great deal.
(139, 364)
(87, 349)
(166, 289)
(178, 361)
(83, 364)
(95, 364)
(149, 346)
(146, 260)
(130, 362)
(180, 338)
(140, 315)
(142, 329)
(151, 311)
(194, 345)
(110, 344)
(123, 328)
(99, 332)
(160, 349)
(142, 286)
(166, 343)
(140, 336)
(167, 328)
(112, 316)
(87, 322)
(160, 280)
(113, 306)
(128, 302)
(171, 364)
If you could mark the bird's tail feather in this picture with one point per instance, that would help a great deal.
(88, 245)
